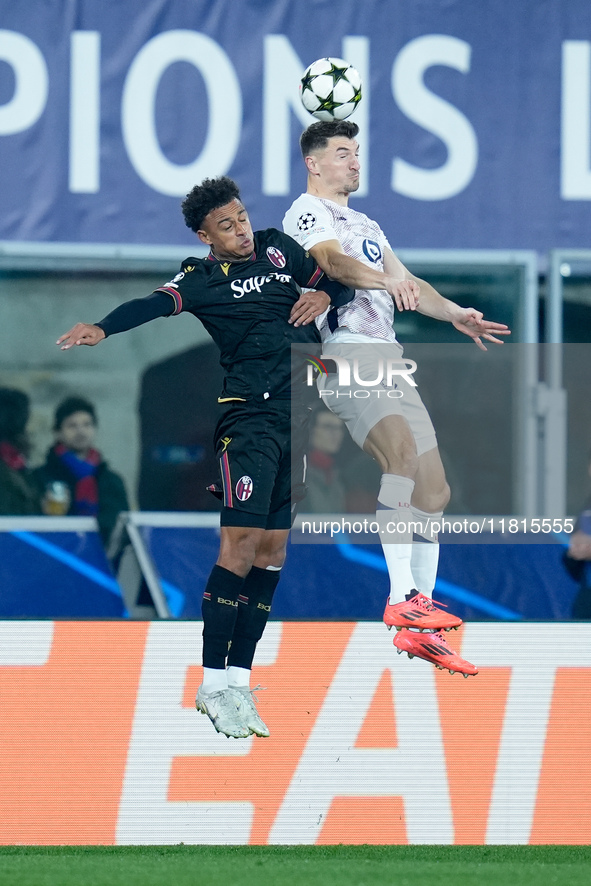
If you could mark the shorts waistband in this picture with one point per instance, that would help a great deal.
(342, 335)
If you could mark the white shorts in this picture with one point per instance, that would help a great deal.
(374, 380)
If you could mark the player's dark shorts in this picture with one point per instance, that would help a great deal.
(257, 465)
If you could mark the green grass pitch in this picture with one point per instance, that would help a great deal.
(286, 865)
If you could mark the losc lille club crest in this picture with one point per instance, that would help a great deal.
(244, 488)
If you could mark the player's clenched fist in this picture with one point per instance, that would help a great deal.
(81, 334)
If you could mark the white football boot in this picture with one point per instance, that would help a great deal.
(248, 711)
(223, 709)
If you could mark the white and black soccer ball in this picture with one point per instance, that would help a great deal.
(330, 89)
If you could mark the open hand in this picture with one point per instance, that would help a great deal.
(472, 323)
(81, 334)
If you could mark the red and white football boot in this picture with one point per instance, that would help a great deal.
(434, 648)
(421, 613)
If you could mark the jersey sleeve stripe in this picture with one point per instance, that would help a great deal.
(178, 302)
(315, 278)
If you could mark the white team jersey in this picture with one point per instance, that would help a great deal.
(311, 220)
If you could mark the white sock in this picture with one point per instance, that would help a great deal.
(394, 507)
(214, 679)
(238, 677)
(425, 555)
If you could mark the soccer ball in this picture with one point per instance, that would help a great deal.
(330, 89)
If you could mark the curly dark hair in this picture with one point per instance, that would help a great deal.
(317, 135)
(71, 405)
(211, 194)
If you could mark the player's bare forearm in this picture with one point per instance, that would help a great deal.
(432, 303)
(81, 334)
(468, 321)
(401, 285)
(346, 269)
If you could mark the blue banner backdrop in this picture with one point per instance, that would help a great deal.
(475, 117)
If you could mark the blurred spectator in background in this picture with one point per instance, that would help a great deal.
(577, 559)
(18, 493)
(75, 467)
(325, 490)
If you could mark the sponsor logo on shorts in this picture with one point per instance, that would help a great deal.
(244, 488)
(276, 256)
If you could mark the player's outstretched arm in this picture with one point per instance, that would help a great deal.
(127, 316)
(81, 334)
(468, 321)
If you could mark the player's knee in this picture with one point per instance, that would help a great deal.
(271, 549)
(433, 500)
(238, 552)
(273, 557)
(441, 499)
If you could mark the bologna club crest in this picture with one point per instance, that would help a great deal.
(244, 488)
(276, 256)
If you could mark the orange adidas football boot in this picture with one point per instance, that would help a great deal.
(421, 613)
(433, 648)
